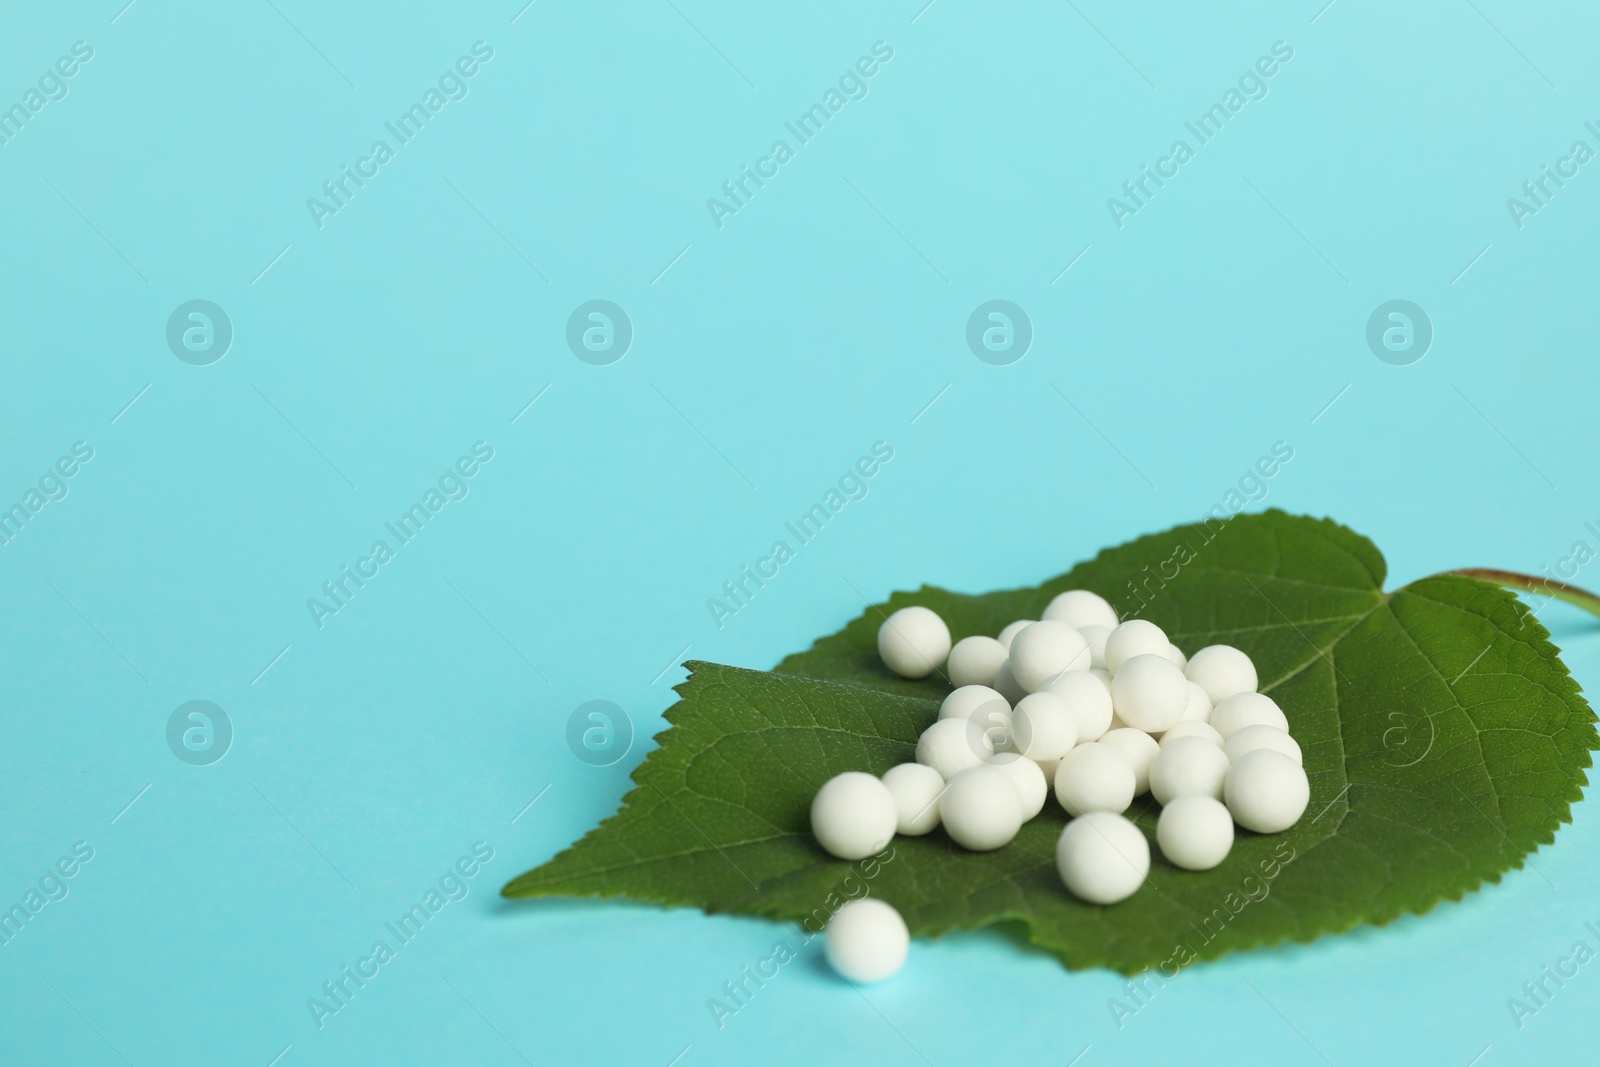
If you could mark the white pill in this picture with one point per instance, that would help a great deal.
(1005, 683)
(1079, 608)
(1044, 726)
(951, 746)
(853, 815)
(1193, 728)
(962, 702)
(1102, 857)
(1189, 766)
(995, 722)
(1138, 748)
(1250, 738)
(1195, 832)
(1028, 778)
(984, 706)
(914, 642)
(1266, 791)
(974, 660)
(1096, 636)
(1045, 649)
(866, 941)
(915, 788)
(981, 809)
(1012, 630)
(1247, 709)
(1222, 671)
(1198, 709)
(1149, 693)
(1104, 676)
(1094, 777)
(1089, 698)
(1136, 637)
(1175, 654)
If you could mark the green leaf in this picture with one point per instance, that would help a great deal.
(1443, 736)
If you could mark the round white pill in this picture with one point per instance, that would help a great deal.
(1044, 726)
(915, 788)
(1175, 654)
(853, 815)
(1247, 709)
(1094, 777)
(1138, 748)
(914, 642)
(1028, 778)
(1136, 637)
(974, 660)
(984, 706)
(1102, 857)
(1089, 698)
(1198, 708)
(951, 746)
(1222, 671)
(1193, 728)
(962, 702)
(1096, 636)
(995, 722)
(1250, 738)
(1195, 832)
(1012, 630)
(1005, 683)
(1079, 608)
(1149, 693)
(981, 809)
(866, 941)
(1045, 649)
(1189, 766)
(1266, 791)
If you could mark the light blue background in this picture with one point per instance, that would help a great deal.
(826, 315)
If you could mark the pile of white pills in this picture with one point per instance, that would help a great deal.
(1083, 707)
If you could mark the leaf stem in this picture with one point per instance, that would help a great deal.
(1532, 583)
